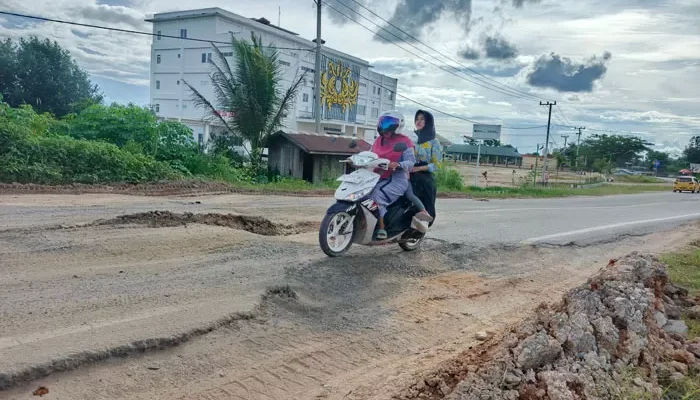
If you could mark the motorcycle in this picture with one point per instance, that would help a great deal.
(354, 217)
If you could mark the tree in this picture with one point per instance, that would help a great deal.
(492, 142)
(692, 152)
(44, 75)
(251, 94)
(617, 150)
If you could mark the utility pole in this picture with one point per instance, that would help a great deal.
(565, 137)
(317, 75)
(578, 144)
(546, 143)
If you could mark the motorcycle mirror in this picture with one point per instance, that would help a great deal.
(400, 147)
(352, 144)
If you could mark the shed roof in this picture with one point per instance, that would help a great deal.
(501, 151)
(313, 143)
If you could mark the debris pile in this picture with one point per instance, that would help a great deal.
(617, 336)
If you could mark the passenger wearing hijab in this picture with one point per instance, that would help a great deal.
(429, 155)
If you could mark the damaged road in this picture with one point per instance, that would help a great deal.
(177, 304)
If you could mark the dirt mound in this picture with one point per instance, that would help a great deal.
(617, 336)
(257, 225)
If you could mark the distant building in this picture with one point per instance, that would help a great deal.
(489, 154)
(311, 157)
(354, 106)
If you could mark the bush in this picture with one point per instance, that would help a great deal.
(28, 158)
(448, 179)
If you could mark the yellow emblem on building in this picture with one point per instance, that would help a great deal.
(338, 87)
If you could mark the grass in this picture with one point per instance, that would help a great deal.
(543, 192)
(637, 179)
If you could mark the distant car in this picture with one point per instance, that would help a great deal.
(686, 184)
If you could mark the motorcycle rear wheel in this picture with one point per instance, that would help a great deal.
(409, 242)
(331, 237)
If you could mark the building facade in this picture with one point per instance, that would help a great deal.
(353, 95)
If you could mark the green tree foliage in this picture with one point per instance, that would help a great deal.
(251, 91)
(692, 152)
(44, 75)
(609, 151)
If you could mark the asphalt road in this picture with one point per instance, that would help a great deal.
(82, 294)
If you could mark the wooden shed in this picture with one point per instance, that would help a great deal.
(311, 156)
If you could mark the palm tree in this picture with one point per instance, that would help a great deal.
(250, 100)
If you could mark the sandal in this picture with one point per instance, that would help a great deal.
(381, 234)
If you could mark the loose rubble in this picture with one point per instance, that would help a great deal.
(617, 336)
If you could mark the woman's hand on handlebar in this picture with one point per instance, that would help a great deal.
(394, 165)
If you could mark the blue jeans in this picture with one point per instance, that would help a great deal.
(413, 198)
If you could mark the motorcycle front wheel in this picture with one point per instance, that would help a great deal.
(336, 234)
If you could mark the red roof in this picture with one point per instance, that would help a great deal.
(325, 144)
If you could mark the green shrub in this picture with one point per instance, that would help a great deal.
(448, 179)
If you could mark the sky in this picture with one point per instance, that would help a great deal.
(627, 66)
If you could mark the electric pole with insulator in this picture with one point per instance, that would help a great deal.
(546, 143)
(317, 73)
(578, 143)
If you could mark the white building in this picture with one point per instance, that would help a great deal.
(176, 60)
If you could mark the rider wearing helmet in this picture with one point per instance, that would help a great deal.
(394, 182)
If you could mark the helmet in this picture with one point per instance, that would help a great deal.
(390, 121)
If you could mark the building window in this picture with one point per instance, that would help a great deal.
(157, 107)
(157, 85)
(363, 85)
(184, 106)
(285, 63)
(227, 54)
(391, 96)
(179, 55)
(379, 91)
(374, 90)
(158, 59)
(375, 113)
(307, 69)
(361, 110)
(178, 81)
(208, 57)
(204, 58)
(200, 138)
(183, 33)
(295, 55)
(305, 98)
(158, 35)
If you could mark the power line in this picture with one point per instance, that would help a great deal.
(449, 114)
(438, 52)
(136, 32)
(464, 77)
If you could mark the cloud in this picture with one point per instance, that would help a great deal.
(565, 75)
(110, 15)
(520, 3)
(499, 48)
(469, 53)
(414, 16)
(336, 7)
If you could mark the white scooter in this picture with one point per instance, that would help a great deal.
(353, 218)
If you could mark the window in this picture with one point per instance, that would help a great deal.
(157, 85)
(305, 98)
(375, 112)
(184, 106)
(391, 96)
(379, 91)
(363, 85)
(307, 69)
(183, 33)
(208, 57)
(204, 58)
(361, 110)
(158, 59)
(178, 81)
(295, 55)
(157, 107)
(200, 138)
(158, 35)
(227, 54)
(374, 90)
(285, 63)
(179, 55)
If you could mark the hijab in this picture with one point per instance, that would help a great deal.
(428, 132)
